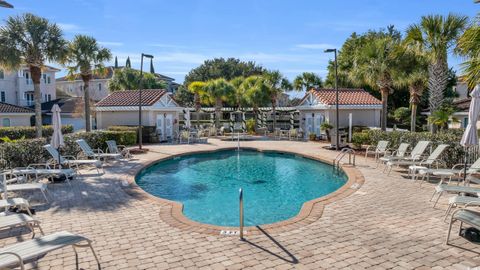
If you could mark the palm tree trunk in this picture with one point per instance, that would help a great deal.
(36, 74)
(218, 111)
(413, 117)
(437, 83)
(197, 108)
(86, 97)
(384, 92)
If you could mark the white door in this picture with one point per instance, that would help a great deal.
(169, 125)
(161, 126)
(309, 124)
(317, 123)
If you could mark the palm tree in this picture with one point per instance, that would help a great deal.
(469, 46)
(435, 35)
(219, 91)
(307, 81)
(86, 57)
(442, 117)
(256, 91)
(198, 89)
(238, 99)
(416, 82)
(128, 79)
(277, 84)
(31, 40)
(375, 65)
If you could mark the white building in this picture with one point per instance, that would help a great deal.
(98, 86)
(120, 108)
(16, 87)
(13, 115)
(318, 106)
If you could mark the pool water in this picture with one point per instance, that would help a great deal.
(275, 185)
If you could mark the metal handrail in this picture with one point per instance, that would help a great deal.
(341, 155)
(241, 212)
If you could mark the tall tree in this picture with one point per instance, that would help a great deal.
(238, 99)
(375, 65)
(217, 92)
(128, 64)
(31, 40)
(128, 79)
(435, 35)
(307, 81)
(277, 85)
(116, 63)
(469, 47)
(198, 89)
(86, 57)
(256, 92)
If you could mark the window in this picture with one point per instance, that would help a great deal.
(2, 74)
(6, 122)
(49, 80)
(465, 122)
(44, 76)
(99, 87)
(3, 98)
(49, 97)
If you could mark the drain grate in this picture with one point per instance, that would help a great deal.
(231, 233)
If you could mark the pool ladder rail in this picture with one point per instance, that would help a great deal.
(341, 155)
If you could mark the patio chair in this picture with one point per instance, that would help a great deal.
(415, 166)
(467, 216)
(442, 188)
(37, 171)
(114, 148)
(96, 154)
(42, 187)
(21, 203)
(185, 136)
(380, 149)
(20, 220)
(457, 169)
(399, 153)
(415, 155)
(71, 161)
(460, 200)
(17, 254)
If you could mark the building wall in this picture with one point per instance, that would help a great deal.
(16, 120)
(98, 89)
(16, 84)
(130, 118)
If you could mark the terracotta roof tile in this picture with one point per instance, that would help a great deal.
(346, 96)
(9, 108)
(130, 98)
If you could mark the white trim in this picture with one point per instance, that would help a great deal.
(17, 114)
(135, 108)
(330, 107)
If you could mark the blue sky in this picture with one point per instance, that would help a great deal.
(289, 35)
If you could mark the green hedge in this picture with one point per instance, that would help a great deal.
(453, 155)
(24, 152)
(122, 128)
(15, 133)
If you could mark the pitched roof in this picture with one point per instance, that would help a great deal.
(10, 108)
(108, 75)
(67, 105)
(346, 96)
(462, 104)
(130, 98)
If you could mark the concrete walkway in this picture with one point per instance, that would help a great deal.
(387, 224)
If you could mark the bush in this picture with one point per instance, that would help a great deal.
(250, 126)
(21, 153)
(122, 128)
(15, 133)
(453, 155)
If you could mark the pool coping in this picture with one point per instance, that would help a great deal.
(171, 212)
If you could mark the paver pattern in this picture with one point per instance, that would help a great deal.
(388, 223)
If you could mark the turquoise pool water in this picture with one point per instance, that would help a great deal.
(275, 185)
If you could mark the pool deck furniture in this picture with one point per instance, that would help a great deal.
(459, 200)
(71, 161)
(399, 153)
(456, 170)
(20, 220)
(466, 216)
(442, 188)
(96, 154)
(33, 170)
(17, 254)
(415, 165)
(15, 202)
(42, 187)
(114, 148)
(416, 154)
(380, 149)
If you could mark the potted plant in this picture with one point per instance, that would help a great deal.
(325, 126)
(312, 136)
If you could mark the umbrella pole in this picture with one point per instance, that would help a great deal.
(465, 167)
(59, 161)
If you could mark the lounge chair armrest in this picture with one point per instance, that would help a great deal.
(20, 260)
(38, 165)
(472, 204)
(70, 158)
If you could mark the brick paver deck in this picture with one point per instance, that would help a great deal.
(388, 223)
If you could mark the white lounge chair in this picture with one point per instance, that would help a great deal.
(71, 161)
(457, 169)
(380, 149)
(441, 189)
(415, 166)
(19, 253)
(397, 154)
(97, 154)
(460, 200)
(42, 187)
(469, 217)
(114, 148)
(415, 155)
(20, 220)
(42, 170)
(21, 203)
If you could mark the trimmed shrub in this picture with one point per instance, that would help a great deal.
(453, 155)
(21, 153)
(122, 128)
(15, 133)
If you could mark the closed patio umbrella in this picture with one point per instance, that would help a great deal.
(244, 123)
(57, 136)
(186, 115)
(292, 120)
(232, 122)
(470, 137)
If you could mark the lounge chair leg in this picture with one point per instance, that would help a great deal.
(94, 254)
(438, 198)
(433, 195)
(449, 208)
(44, 195)
(449, 230)
(76, 256)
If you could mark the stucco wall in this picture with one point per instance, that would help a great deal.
(16, 120)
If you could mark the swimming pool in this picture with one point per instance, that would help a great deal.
(275, 185)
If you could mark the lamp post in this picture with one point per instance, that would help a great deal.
(140, 100)
(336, 97)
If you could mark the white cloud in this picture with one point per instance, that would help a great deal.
(163, 45)
(315, 46)
(111, 43)
(71, 28)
